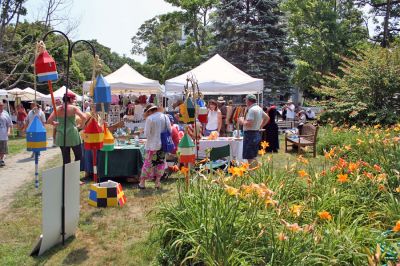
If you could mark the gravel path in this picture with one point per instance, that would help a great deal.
(19, 169)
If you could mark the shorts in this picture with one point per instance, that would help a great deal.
(251, 144)
(3, 147)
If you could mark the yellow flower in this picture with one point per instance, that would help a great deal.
(342, 178)
(377, 126)
(231, 190)
(282, 236)
(347, 147)
(396, 228)
(302, 173)
(397, 189)
(238, 171)
(264, 145)
(184, 170)
(359, 141)
(269, 202)
(324, 215)
(261, 152)
(296, 210)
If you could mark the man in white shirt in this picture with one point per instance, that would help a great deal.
(254, 120)
(5, 126)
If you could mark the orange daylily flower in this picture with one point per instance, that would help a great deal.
(302, 173)
(264, 145)
(369, 175)
(342, 163)
(353, 167)
(397, 189)
(261, 152)
(381, 187)
(396, 228)
(324, 215)
(245, 165)
(282, 236)
(377, 168)
(347, 147)
(342, 178)
(184, 170)
(269, 202)
(302, 159)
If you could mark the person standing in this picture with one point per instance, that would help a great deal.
(35, 111)
(214, 118)
(154, 162)
(255, 119)
(222, 107)
(5, 130)
(270, 134)
(290, 111)
(21, 116)
(73, 140)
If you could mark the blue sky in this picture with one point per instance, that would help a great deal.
(112, 22)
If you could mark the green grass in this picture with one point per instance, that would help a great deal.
(16, 145)
(118, 236)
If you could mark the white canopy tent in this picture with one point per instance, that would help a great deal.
(59, 94)
(129, 81)
(217, 77)
(32, 91)
(24, 95)
(3, 92)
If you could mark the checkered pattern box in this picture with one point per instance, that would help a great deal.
(106, 194)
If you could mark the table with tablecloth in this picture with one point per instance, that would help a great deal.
(123, 161)
(236, 146)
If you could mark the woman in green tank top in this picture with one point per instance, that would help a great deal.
(72, 140)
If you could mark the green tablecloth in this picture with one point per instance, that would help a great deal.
(123, 161)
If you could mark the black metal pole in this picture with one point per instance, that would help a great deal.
(69, 54)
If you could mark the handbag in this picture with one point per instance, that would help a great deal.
(167, 144)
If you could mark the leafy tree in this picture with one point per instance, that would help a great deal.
(388, 11)
(368, 92)
(252, 35)
(320, 33)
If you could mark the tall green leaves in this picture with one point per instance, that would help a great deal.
(369, 91)
(320, 33)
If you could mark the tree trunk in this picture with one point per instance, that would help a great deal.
(385, 41)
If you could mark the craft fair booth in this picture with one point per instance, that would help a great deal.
(127, 157)
(127, 81)
(217, 77)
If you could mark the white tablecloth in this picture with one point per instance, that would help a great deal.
(235, 144)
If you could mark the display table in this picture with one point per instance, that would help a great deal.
(236, 145)
(123, 161)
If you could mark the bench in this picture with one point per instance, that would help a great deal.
(284, 125)
(307, 139)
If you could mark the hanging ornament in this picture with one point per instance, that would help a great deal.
(102, 94)
(93, 137)
(36, 142)
(108, 145)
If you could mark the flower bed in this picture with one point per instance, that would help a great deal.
(340, 209)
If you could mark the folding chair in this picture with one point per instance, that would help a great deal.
(218, 153)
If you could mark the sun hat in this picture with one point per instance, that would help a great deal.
(251, 97)
(150, 107)
(221, 99)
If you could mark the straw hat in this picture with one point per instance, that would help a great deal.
(221, 99)
(150, 107)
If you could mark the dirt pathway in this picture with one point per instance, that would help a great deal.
(19, 169)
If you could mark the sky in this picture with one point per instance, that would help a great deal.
(111, 22)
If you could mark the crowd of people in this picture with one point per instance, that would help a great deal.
(257, 124)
